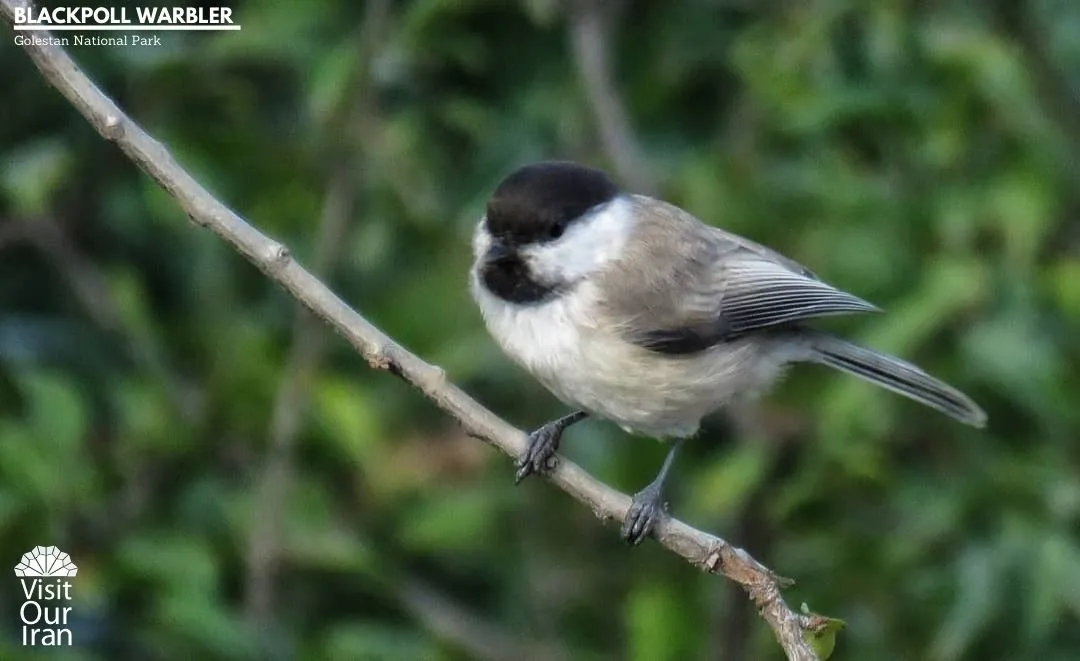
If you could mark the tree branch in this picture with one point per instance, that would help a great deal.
(308, 340)
(1015, 21)
(290, 404)
(590, 31)
(471, 633)
(703, 550)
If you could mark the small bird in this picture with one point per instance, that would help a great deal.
(632, 310)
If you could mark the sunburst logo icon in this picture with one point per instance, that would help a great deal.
(45, 561)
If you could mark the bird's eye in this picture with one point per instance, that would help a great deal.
(557, 229)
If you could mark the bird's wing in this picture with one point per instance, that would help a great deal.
(716, 287)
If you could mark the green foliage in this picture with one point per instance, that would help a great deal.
(921, 155)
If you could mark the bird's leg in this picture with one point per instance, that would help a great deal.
(539, 455)
(648, 505)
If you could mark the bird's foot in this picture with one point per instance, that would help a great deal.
(539, 456)
(646, 511)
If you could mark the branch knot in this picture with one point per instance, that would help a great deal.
(276, 256)
(112, 128)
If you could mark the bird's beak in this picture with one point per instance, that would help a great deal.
(498, 251)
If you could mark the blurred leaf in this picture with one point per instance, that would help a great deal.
(129, 294)
(334, 82)
(1030, 369)
(377, 642)
(143, 415)
(658, 630)
(202, 628)
(1065, 283)
(315, 537)
(31, 174)
(977, 587)
(1023, 203)
(342, 409)
(450, 521)
(729, 480)
(43, 458)
(1053, 576)
(184, 567)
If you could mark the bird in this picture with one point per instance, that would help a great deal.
(631, 310)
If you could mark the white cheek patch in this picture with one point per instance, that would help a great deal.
(481, 239)
(588, 244)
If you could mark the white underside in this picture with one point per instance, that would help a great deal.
(579, 358)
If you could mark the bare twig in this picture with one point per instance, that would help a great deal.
(1052, 86)
(468, 631)
(290, 403)
(309, 343)
(590, 31)
(11, 232)
(702, 549)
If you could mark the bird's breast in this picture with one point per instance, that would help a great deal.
(583, 361)
(544, 337)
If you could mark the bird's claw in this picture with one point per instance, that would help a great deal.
(539, 456)
(646, 511)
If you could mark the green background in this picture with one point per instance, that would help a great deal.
(234, 484)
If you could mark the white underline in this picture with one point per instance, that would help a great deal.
(130, 28)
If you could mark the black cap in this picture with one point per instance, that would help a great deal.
(536, 202)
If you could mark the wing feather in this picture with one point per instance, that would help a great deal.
(758, 294)
(706, 286)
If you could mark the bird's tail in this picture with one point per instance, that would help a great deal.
(897, 375)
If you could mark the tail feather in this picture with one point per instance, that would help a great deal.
(896, 375)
